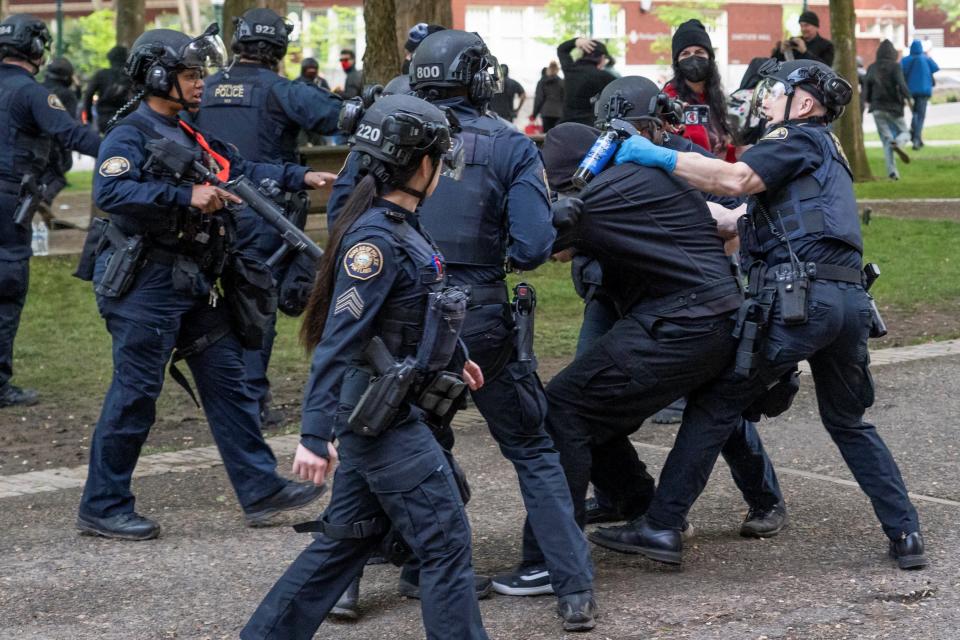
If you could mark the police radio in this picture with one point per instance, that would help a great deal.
(602, 151)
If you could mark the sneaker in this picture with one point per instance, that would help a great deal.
(894, 176)
(578, 610)
(764, 523)
(900, 153)
(12, 396)
(271, 418)
(908, 551)
(531, 580)
(126, 526)
(293, 495)
(347, 607)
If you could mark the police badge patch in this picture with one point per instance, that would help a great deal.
(363, 261)
(780, 133)
(114, 166)
(54, 103)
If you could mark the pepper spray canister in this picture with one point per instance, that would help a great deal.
(596, 159)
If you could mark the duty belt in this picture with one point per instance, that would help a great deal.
(708, 292)
(820, 271)
(481, 294)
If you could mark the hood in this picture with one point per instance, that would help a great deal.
(887, 52)
(117, 56)
(916, 48)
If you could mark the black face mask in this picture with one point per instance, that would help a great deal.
(695, 68)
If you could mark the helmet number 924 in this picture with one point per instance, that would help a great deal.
(428, 72)
(369, 133)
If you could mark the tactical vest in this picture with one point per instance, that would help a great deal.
(24, 148)
(239, 108)
(400, 323)
(466, 217)
(820, 204)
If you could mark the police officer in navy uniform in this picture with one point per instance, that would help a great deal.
(176, 238)
(498, 214)
(379, 271)
(802, 233)
(253, 107)
(616, 464)
(32, 120)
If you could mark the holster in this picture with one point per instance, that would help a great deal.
(123, 265)
(446, 311)
(777, 398)
(524, 306)
(380, 403)
(752, 320)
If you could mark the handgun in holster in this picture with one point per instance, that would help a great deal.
(31, 195)
(379, 404)
(878, 328)
(524, 305)
(123, 264)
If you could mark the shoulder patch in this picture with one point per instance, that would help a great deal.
(363, 261)
(115, 166)
(54, 103)
(836, 142)
(780, 133)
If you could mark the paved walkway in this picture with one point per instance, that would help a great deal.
(208, 457)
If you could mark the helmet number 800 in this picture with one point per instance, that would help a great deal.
(367, 132)
(428, 72)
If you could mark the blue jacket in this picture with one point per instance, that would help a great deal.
(918, 69)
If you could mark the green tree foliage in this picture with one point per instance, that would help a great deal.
(949, 7)
(675, 14)
(86, 40)
(571, 19)
(326, 34)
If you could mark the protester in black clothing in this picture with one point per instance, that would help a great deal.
(353, 85)
(811, 46)
(583, 78)
(548, 98)
(58, 78)
(504, 104)
(310, 74)
(111, 87)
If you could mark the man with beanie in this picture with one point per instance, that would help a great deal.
(811, 46)
(310, 74)
(583, 78)
(918, 69)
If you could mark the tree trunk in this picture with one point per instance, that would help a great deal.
(411, 12)
(381, 59)
(130, 21)
(849, 128)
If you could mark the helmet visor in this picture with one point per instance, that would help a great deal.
(769, 89)
(492, 67)
(453, 159)
(205, 52)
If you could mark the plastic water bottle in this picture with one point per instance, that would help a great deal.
(41, 239)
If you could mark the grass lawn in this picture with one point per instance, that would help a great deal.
(63, 346)
(79, 181)
(939, 132)
(931, 174)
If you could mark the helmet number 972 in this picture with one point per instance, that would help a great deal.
(265, 29)
(367, 132)
(428, 72)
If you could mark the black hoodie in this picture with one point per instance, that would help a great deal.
(884, 86)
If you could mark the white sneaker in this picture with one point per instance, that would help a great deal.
(531, 580)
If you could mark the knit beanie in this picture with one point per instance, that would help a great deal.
(691, 33)
(810, 18)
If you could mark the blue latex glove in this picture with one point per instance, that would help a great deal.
(639, 150)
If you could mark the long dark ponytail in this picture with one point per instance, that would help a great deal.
(315, 317)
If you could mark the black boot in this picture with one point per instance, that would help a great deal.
(126, 526)
(662, 545)
(764, 523)
(578, 610)
(908, 551)
(292, 496)
(347, 607)
(12, 396)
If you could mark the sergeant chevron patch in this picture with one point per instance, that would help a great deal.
(350, 302)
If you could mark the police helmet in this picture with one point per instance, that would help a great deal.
(822, 82)
(454, 58)
(635, 98)
(262, 26)
(24, 36)
(398, 130)
(159, 54)
(400, 85)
